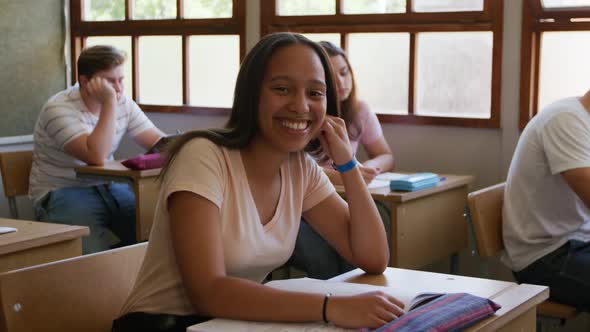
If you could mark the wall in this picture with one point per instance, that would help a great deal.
(32, 61)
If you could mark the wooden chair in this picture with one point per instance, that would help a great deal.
(77, 294)
(15, 167)
(485, 215)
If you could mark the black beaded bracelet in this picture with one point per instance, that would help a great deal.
(326, 298)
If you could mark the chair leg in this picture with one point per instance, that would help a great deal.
(12, 207)
(484, 269)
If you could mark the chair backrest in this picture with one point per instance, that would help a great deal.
(485, 209)
(16, 167)
(77, 294)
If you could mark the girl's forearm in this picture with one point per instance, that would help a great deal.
(368, 241)
(238, 298)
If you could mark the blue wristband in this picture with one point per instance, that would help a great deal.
(346, 167)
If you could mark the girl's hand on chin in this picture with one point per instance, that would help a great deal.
(334, 139)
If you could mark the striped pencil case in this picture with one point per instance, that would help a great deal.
(443, 312)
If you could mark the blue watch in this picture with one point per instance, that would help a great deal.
(346, 167)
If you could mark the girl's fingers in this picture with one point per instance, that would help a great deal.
(387, 315)
(338, 125)
(397, 302)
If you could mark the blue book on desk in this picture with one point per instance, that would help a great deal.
(413, 182)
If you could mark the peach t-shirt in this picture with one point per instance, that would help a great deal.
(251, 250)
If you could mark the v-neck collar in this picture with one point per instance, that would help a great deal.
(245, 184)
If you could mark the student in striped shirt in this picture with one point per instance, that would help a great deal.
(83, 125)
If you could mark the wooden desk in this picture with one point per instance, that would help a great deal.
(145, 186)
(517, 312)
(38, 242)
(519, 302)
(426, 225)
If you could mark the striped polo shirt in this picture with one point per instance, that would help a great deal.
(64, 118)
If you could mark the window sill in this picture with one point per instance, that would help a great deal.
(439, 121)
(185, 109)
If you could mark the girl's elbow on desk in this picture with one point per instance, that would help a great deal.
(375, 264)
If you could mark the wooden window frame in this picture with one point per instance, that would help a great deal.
(535, 21)
(490, 19)
(178, 26)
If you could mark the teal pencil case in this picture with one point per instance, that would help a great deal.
(413, 182)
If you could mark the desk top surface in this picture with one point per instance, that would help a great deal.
(515, 299)
(31, 234)
(451, 181)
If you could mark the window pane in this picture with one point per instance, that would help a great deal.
(447, 5)
(154, 9)
(305, 7)
(565, 3)
(207, 8)
(104, 10)
(160, 70)
(380, 62)
(558, 78)
(373, 6)
(454, 74)
(213, 85)
(123, 44)
(333, 38)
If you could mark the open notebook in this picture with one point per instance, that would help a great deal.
(307, 285)
(410, 299)
(4, 230)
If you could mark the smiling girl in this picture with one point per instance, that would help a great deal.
(232, 198)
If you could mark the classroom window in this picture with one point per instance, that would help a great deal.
(154, 9)
(182, 55)
(373, 7)
(433, 6)
(454, 74)
(432, 62)
(305, 7)
(208, 8)
(104, 10)
(565, 3)
(384, 58)
(208, 83)
(160, 65)
(553, 30)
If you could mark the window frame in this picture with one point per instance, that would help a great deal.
(489, 19)
(183, 27)
(535, 21)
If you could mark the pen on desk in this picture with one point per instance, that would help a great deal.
(442, 178)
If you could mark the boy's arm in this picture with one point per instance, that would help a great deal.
(95, 147)
(149, 137)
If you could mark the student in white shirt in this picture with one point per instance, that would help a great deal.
(232, 199)
(546, 215)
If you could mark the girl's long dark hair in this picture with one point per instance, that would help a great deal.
(242, 125)
(348, 107)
